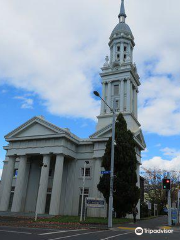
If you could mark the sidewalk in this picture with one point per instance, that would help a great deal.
(155, 223)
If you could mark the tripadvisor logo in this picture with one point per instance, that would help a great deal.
(139, 231)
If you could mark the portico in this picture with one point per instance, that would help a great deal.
(37, 176)
(43, 169)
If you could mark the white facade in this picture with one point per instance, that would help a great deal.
(44, 164)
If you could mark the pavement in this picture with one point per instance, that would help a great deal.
(120, 232)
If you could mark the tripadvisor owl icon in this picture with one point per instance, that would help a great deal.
(139, 231)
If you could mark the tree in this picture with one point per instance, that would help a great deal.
(126, 193)
(154, 192)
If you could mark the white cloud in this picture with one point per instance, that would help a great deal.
(54, 49)
(159, 163)
(158, 145)
(4, 91)
(170, 152)
(27, 103)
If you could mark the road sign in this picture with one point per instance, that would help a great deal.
(149, 206)
(95, 202)
(105, 172)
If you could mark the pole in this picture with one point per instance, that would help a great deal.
(178, 201)
(82, 201)
(178, 205)
(169, 203)
(112, 169)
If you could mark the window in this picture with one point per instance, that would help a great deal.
(118, 48)
(116, 89)
(50, 173)
(118, 56)
(15, 173)
(125, 48)
(49, 190)
(125, 57)
(117, 105)
(12, 189)
(87, 173)
(86, 191)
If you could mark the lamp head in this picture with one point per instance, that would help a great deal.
(96, 93)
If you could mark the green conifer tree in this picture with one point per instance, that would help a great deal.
(126, 193)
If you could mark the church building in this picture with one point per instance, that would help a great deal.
(44, 165)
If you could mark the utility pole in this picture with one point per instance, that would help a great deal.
(112, 169)
(169, 203)
(82, 198)
(112, 158)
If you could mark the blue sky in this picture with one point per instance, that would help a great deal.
(50, 59)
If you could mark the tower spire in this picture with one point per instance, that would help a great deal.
(122, 15)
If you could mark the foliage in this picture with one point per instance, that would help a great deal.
(126, 193)
(144, 210)
(75, 220)
(154, 192)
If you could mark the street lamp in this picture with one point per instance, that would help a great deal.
(112, 159)
(82, 199)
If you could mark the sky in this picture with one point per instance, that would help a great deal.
(51, 53)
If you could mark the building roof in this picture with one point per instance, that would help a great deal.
(121, 28)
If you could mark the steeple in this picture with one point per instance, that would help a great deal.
(122, 15)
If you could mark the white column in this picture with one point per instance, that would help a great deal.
(135, 103)
(122, 97)
(7, 184)
(103, 96)
(57, 186)
(128, 108)
(41, 200)
(3, 177)
(109, 96)
(18, 194)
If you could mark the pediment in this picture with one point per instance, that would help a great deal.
(106, 132)
(36, 126)
(138, 136)
(35, 129)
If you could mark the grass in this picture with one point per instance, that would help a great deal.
(89, 220)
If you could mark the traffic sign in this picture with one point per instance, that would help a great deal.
(105, 172)
(95, 202)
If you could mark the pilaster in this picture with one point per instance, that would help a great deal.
(128, 109)
(109, 96)
(103, 96)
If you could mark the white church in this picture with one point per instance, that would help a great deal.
(44, 164)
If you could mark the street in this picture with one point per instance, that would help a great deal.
(124, 232)
(8, 233)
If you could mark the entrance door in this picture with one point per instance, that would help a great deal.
(11, 200)
(48, 201)
(86, 194)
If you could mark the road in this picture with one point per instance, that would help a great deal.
(10, 233)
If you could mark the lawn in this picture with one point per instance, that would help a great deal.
(89, 220)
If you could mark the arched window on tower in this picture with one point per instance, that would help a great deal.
(118, 49)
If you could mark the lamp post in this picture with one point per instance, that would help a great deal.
(82, 199)
(112, 159)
